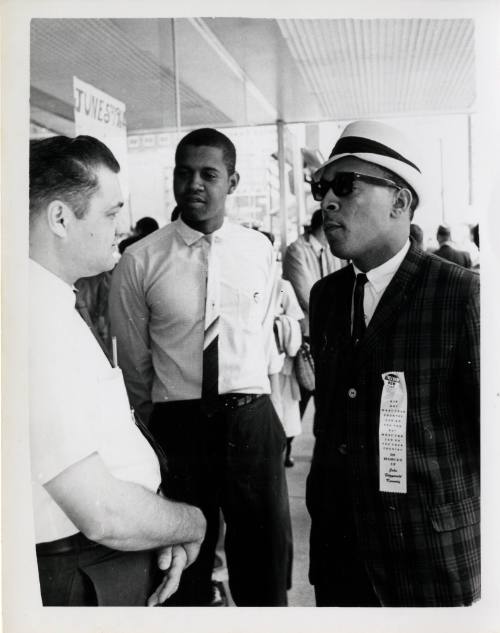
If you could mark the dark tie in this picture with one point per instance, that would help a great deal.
(320, 260)
(81, 307)
(358, 321)
(210, 375)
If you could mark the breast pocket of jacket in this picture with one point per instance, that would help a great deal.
(453, 516)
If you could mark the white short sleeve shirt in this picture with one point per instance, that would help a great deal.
(78, 404)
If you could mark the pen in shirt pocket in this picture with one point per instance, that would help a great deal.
(114, 351)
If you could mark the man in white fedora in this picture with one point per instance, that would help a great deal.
(393, 490)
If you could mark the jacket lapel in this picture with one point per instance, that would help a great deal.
(338, 330)
(394, 297)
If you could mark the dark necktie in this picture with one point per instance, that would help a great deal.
(320, 260)
(210, 375)
(81, 307)
(358, 321)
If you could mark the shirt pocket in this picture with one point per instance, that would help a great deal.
(114, 405)
(243, 307)
(250, 309)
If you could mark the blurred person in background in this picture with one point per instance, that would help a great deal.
(474, 238)
(307, 260)
(475, 234)
(447, 250)
(288, 336)
(143, 227)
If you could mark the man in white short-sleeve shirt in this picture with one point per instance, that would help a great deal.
(99, 521)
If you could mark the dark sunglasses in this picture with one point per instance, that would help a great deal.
(343, 182)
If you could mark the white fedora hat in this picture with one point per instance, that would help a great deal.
(383, 145)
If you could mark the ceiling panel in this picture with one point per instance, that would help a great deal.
(360, 68)
(244, 71)
(99, 52)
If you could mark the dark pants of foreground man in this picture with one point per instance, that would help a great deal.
(232, 460)
(337, 571)
(76, 572)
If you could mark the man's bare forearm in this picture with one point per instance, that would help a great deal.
(141, 520)
(121, 514)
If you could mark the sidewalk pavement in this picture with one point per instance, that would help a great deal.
(302, 593)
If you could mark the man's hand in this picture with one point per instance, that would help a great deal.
(192, 550)
(173, 560)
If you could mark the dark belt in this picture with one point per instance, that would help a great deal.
(229, 402)
(69, 545)
(236, 400)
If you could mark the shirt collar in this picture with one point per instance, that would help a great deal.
(53, 286)
(191, 236)
(316, 245)
(380, 276)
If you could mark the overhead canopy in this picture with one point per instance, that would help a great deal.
(245, 71)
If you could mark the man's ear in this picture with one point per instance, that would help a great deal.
(234, 179)
(401, 201)
(58, 216)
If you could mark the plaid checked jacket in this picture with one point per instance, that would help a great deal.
(421, 548)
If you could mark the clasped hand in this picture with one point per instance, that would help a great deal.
(173, 560)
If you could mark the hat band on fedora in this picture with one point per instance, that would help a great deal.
(360, 145)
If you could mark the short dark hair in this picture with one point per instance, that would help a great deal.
(146, 225)
(444, 232)
(65, 168)
(210, 137)
(316, 221)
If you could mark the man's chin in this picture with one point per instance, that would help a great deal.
(193, 213)
(192, 207)
(337, 249)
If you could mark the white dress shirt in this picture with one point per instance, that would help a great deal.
(378, 280)
(78, 404)
(157, 310)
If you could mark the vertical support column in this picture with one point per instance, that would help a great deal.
(469, 157)
(176, 79)
(443, 214)
(280, 128)
(298, 183)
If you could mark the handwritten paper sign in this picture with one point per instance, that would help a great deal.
(100, 115)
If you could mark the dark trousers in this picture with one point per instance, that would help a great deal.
(232, 461)
(337, 570)
(85, 574)
(348, 586)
